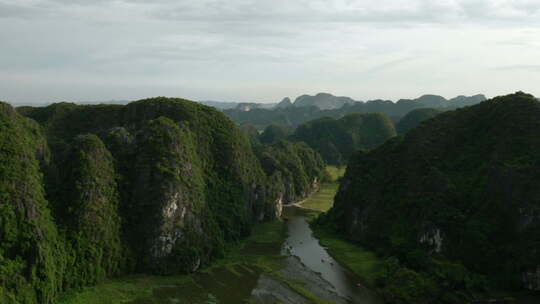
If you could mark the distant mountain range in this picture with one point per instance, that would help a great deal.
(307, 107)
(242, 106)
(326, 101)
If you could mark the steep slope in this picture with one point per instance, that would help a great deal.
(456, 197)
(86, 207)
(32, 258)
(337, 139)
(295, 166)
(162, 148)
(252, 134)
(414, 118)
(284, 103)
(156, 186)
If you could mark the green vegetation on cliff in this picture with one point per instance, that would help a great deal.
(295, 166)
(32, 257)
(323, 199)
(92, 192)
(337, 139)
(414, 118)
(274, 133)
(454, 205)
(87, 211)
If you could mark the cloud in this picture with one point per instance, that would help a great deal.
(390, 64)
(524, 68)
(282, 46)
(299, 11)
(11, 10)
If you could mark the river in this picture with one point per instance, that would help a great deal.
(307, 274)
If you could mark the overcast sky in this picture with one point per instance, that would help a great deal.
(264, 50)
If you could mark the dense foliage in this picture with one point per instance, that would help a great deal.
(273, 134)
(32, 258)
(337, 139)
(86, 209)
(414, 118)
(455, 204)
(159, 185)
(295, 165)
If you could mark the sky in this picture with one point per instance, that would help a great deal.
(262, 51)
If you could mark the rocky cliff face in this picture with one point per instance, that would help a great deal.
(159, 185)
(462, 187)
(322, 101)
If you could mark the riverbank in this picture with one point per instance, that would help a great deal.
(261, 269)
(370, 268)
(323, 199)
(364, 263)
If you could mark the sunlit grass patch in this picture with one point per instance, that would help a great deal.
(121, 290)
(362, 262)
(334, 173)
(323, 200)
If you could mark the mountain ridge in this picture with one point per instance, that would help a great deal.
(456, 194)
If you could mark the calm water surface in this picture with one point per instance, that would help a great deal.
(224, 286)
(304, 245)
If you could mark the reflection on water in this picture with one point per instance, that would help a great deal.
(307, 260)
(302, 244)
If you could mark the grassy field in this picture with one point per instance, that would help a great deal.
(323, 199)
(252, 253)
(362, 262)
(120, 290)
(334, 173)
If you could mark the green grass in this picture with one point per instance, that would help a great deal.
(251, 253)
(323, 199)
(268, 232)
(121, 290)
(335, 173)
(362, 262)
(297, 286)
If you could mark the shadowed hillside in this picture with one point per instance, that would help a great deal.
(454, 203)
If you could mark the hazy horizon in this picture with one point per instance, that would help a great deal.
(260, 51)
(123, 101)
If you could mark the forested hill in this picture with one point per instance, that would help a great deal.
(455, 202)
(337, 139)
(156, 186)
(414, 118)
(306, 108)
